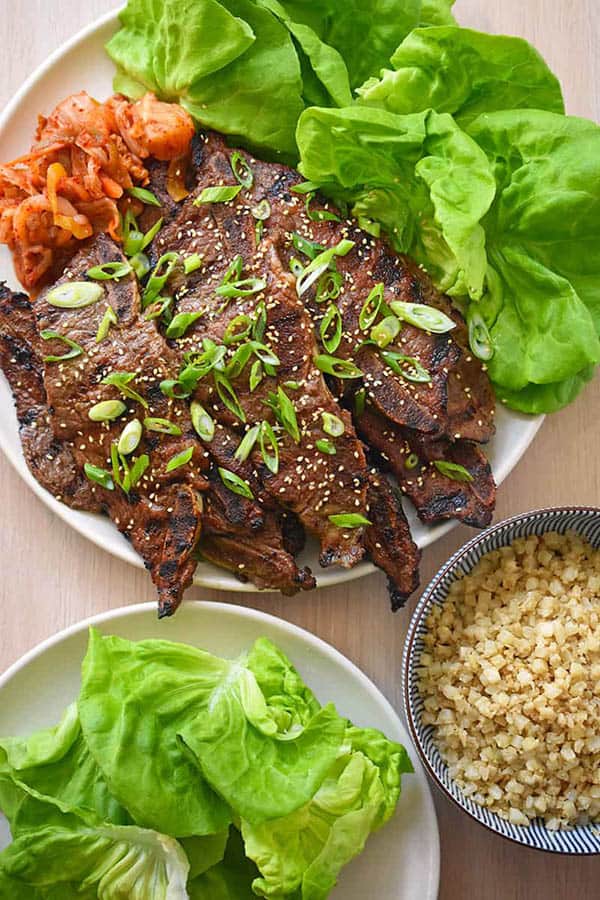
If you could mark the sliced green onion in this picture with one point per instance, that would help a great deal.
(332, 425)
(270, 370)
(258, 231)
(151, 234)
(140, 265)
(332, 317)
(159, 277)
(266, 355)
(452, 470)
(133, 243)
(308, 248)
(237, 329)
(428, 318)
(110, 271)
(243, 288)
(320, 264)
(74, 294)
(360, 401)
(247, 443)
(75, 348)
(305, 187)
(370, 308)
(241, 169)
(121, 380)
(181, 322)
(407, 366)
(292, 385)
(180, 459)
(234, 270)
(256, 375)
(220, 194)
(116, 465)
(228, 396)
(262, 210)
(341, 368)
(386, 331)
(480, 339)
(144, 195)
(369, 226)
(99, 476)
(235, 484)
(268, 438)
(325, 446)
(411, 461)
(203, 423)
(192, 263)
(260, 321)
(163, 426)
(130, 437)
(238, 361)
(172, 388)
(349, 520)
(107, 410)
(329, 286)
(137, 470)
(319, 215)
(158, 308)
(296, 267)
(285, 413)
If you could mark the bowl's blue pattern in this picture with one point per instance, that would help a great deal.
(584, 521)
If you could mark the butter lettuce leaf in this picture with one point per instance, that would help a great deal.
(542, 304)
(437, 12)
(168, 46)
(230, 879)
(302, 854)
(420, 176)
(463, 72)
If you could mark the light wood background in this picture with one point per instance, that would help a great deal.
(52, 577)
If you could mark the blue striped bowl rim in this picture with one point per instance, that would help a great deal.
(583, 840)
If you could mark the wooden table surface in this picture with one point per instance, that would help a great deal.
(52, 577)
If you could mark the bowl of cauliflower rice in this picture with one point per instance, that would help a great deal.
(501, 676)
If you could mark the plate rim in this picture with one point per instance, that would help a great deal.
(221, 580)
(312, 641)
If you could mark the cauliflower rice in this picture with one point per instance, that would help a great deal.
(511, 681)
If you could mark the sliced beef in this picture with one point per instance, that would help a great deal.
(49, 460)
(389, 540)
(435, 496)
(161, 514)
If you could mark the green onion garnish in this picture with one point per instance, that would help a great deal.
(192, 263)
(349, 520)
(140, 265)
(180, 459)
(332, 425)
(130, 437)
(163, 426)
(329, 286)
(268, 438)
(411, 461)
(241, 169)
(325, 446)
(320, 264)
(256, 375)
(99, 476)
(234, 270)
(428, 318)
(360, 401)
(151, 234)
(228, 396)
(74, 294)
(235, 484)
(308, 248)
(116, 464)
(386, 331)
(370, 308)
(107, 410)
(239, 360)
(121, 380)
(159, 277)
(258, 231)
(285, 413)
(181, 322)
(452, 470)
(132, 236)
(331, 341)
(369, 226)
(292, 385)
(144, 195)
(319, 215)
(260, 321)
(340, 368)
(480, 339)
(262, 210)
(158, 308)
(305, 187)
(110, 271)
(135, 473)
(75, 348)
(203, 423)
(247, 443)
(267, 357)
(243, 288)
(407, 367)
(219, 194)
(237, 329)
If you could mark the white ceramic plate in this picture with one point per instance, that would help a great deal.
(81, 64)
(400, 862)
